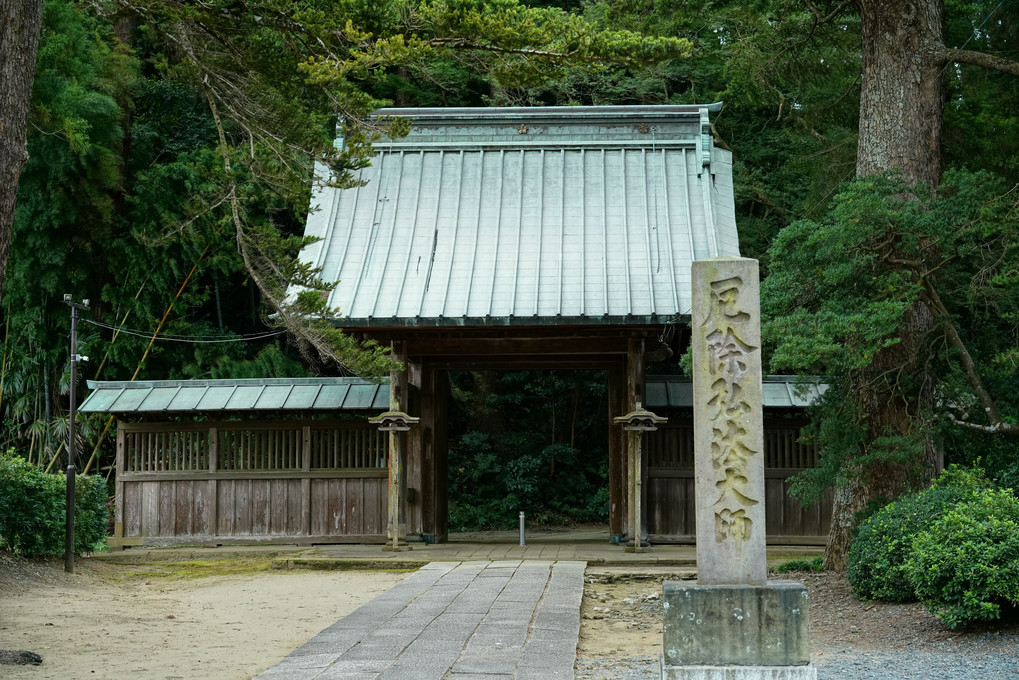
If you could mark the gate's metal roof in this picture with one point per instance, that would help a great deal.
(178, 397)
(527, 216)
(777, 391)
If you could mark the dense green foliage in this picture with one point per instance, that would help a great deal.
(172, 154)
(812, 564)
(32, 509)
(840, 291)
(965, 567)
(528, 441)
(173, 148)
(884, 543)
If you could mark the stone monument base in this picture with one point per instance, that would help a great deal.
(736, 632)
(738, 672)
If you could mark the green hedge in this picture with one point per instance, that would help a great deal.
(884, 541)
(965, 567)
(32, 507)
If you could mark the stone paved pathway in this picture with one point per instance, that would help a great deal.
(499, 620)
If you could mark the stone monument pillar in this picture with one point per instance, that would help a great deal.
(732, 624)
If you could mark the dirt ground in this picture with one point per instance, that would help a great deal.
(231, 619)
(215, 621)
(623, 619)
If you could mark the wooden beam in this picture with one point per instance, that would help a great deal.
(413, 451)
(118, 516)
(505, 347)
(635, 490)
(528, 363)
(395, 530)
(426, 430)
(440, 455)
(617, 457)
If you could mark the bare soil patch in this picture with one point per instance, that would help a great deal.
(623, 620)
(223, 620)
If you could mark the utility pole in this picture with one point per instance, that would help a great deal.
(71, 471)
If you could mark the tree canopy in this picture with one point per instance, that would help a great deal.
(172, 147)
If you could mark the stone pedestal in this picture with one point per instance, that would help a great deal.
(738, 672)
(732, 624)
(738, 632)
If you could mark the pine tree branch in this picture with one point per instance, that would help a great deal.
(968, 365)
(819, 17)
(982, 59)
(1000, 427)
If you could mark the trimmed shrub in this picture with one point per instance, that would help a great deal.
(965, 567)
(812, 564)
(883, 543)
(32, 509)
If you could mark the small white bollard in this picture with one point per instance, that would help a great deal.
(522, 528)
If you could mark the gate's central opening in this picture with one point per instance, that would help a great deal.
(528, 441)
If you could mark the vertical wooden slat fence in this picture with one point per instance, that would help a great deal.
(286, 481)
(670, 491)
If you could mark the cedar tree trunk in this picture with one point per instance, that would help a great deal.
(901, 104)
(902, 90)
(19, 42)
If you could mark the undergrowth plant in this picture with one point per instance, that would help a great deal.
(879, 552)
(32, 509)
(965, 567)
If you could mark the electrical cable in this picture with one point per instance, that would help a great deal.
(194, 339)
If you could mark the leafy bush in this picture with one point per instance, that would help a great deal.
(881, 547)
(965, 567)
(32, 507)
(812, 564)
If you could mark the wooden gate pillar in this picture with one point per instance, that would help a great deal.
(634, 397)
(434, 470)
(617, 455)
(396, 422)
(635, 424)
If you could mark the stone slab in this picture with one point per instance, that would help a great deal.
(736, 625)
(419, 630)
(738, 672)
(728, 422)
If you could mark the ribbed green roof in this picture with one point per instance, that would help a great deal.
(777, 391)
(351, 394)
(523, 216)
(269, 394)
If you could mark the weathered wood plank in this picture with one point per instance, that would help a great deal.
(204, 499)
(293, 524)
(185, 503)
(336, 510)
(225, 507)
(306, 507)
(132, 510)
(261, 508)
(278, 507)
(118, 507)
(373, 506)
(150, 509)
(318, 507)
(242, 507)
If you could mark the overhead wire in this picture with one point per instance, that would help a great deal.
(194, 339)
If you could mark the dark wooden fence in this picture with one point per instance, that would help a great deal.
(670, 480)
(219, 482)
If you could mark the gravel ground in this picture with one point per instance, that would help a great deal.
(850, 639)
(902, 665)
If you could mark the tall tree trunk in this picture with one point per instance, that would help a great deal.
(902, 89)
(901, 114)
(19, 42)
